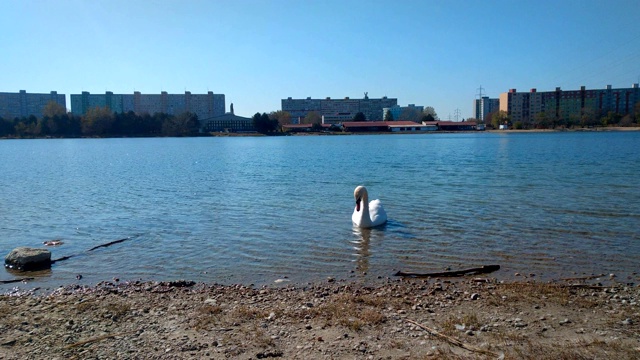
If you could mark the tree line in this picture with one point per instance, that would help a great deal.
(98, 122)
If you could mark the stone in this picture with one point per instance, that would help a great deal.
(28, 259)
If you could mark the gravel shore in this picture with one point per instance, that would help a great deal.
(395, 319)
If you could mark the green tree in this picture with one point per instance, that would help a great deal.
(429, 110)
(263, 123)
(312, 118)
(316, 127)
(498, 118)
(427, 118)
(359, 117)
(388, 116)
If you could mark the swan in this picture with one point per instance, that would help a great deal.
(367, 214)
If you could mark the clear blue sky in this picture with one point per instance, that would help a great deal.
(431, 53)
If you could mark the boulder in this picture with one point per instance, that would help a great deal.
(28, 259)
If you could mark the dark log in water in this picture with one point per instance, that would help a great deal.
(93, 248)
(472, 271)
(15, 280)
(108, 244)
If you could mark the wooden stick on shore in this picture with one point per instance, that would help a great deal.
(472, 271)
(456, 342)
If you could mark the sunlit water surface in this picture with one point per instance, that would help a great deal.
(256, 209)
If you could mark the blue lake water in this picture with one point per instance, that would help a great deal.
(255, 209)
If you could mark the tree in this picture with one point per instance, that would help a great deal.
(6, 127)
(541, 121)
(359, 117)
(184, 124)
(53, 109)
(263, 123)
(312, 118)
(316, 127)
(388, 116)
(429, 110)
(427, 118)
(498, 118)
(282, 117)
(97, 121)
(626, 120)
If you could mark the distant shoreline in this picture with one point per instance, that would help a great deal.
(302, 133)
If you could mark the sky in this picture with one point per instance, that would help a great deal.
(432, 53)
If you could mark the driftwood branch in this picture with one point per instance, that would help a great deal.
(93, 248)
(15, 280)
(455, 341)
(62, 259)
(108, 244)
(473, 271)
(99, 338)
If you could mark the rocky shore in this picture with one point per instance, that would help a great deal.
(465, 318)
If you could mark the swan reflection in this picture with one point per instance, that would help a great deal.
(362, 243)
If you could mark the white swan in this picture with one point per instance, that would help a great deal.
(367, 214)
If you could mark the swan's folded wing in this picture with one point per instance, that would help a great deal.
(377, 213)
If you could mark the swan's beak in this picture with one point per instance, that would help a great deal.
(358, 204)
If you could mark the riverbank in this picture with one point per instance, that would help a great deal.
(395, 319)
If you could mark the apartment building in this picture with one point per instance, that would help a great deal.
(485, 106)
(567, 104)
(204, 105)
(332, 108)
(24, 104)
(397, 111)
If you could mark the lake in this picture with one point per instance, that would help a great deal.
(253, 210)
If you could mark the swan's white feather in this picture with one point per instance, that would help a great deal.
(371, 214)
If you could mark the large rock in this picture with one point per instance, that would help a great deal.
(28, 259)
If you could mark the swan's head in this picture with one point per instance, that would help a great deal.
(359, 194)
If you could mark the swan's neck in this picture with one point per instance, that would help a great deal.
(365, 217)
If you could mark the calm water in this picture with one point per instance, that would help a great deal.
(253, 210)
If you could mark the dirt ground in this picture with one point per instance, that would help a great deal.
(464, 318)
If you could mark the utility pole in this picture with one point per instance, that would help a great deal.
(457, 114)
(480, 92)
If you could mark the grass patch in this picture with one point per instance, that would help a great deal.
(353, 312)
